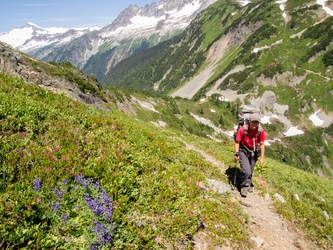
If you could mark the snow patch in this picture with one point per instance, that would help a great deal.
(213, 111)
(266, 119)
(274, 140)
(316, 120)
(223, 99)
(255, 50)
(323, 3)
(293, 131)
(282, 5)
(244, 2)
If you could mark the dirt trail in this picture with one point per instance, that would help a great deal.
(268, 229)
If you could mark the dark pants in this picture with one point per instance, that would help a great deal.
(247, 163)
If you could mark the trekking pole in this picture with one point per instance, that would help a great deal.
(235, 173)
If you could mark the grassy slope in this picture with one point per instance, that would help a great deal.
(147, 172)
(308, 213)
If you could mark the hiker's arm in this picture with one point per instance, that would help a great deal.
(262, 157)
(236, 150)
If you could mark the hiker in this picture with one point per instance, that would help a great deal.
(248, 152)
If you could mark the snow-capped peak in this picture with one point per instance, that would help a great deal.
(31, 24)
(23, 38)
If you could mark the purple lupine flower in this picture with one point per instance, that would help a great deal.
(96, 185)
(56, 207)
(59, 193)
(37, 185)
(106, 238)
(79, 178)
(94, 246)
(105, 197)
(87, 182)
(87, 197)
(108, 208)
(108, 215)
(95, 206)
(97, 228)
(64, 182)
(64, 218)
(103, 234)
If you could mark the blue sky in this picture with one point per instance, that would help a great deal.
(62, 13)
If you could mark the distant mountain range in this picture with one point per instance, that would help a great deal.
(95, 49)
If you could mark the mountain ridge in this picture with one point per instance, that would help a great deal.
(130, 30)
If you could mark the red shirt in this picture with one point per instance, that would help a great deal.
(248, 140)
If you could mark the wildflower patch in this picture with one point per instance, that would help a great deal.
(77, 208)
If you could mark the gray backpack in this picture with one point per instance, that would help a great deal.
(243, 120)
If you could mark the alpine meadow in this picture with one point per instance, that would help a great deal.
(136, 150)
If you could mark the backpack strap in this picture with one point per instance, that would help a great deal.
(246, 131)
(259, 131)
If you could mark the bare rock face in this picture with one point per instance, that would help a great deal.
(13, 63)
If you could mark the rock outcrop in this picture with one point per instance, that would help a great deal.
(15, 63)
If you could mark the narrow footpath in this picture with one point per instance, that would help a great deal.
(269, 230)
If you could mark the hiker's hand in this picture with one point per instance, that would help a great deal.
(236, 158)
(261, 161)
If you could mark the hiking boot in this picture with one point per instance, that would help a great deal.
(244, 191)
(250, 189)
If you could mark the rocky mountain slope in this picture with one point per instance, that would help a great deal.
(273, 54)
(15, 63)
(96, 50)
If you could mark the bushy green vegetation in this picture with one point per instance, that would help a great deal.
(56, 151)
(322, 33)
(315, 199)
(305, 152)
(137, 71)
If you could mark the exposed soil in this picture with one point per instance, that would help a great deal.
(268, 229)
